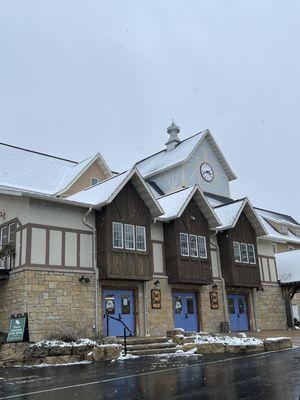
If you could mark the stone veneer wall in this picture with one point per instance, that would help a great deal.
(211, 318)
(270, 310)
(56, 303)
(160, 320)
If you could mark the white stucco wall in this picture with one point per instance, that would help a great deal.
(86, 250)
(55, 247)
(265, 248)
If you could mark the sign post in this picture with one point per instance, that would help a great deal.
(18, 328)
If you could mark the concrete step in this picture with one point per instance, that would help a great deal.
(143, 340)
(148, 346)
(151, 352)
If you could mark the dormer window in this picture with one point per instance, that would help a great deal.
(94, 181)
(283, 229)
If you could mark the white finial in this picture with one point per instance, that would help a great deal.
(173, 131)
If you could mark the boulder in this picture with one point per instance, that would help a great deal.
(174, 332)
(272, 344)
(189, 340)
(178, 339)
(36, 351)
(62, 359)
(89, 356)
(210, 348)
(13, 352)
(244, 348)
(241, 335)
(190, 333)
(109, 340)
(81, 349)
(189, 346)
(106, 352)
(60, 350)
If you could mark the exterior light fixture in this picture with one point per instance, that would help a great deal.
(157, 284)
(83, 279)
(215, 286)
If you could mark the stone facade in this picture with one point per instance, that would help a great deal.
(57, 303)
(211, 318)
(270, 309)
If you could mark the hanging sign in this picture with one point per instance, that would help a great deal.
(214, 301)
(18, 328)
(156, 298)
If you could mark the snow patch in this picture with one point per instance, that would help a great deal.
(44, 365)
(127, 357)
(233, 341)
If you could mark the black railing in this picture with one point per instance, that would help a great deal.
(108, 316)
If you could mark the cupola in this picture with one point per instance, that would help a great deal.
(173, 131)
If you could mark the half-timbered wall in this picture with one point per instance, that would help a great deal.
(238, 273)
(186, 269)
(127, 208)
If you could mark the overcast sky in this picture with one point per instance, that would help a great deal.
(77, 77)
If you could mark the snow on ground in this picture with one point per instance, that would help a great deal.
(60, 343)
(44, 365)
(234, 341)
(127, 357)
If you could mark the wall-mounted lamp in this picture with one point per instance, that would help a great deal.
(260, 289)
(193, 218)
(215, 286)
(84, 279)
(157, 284)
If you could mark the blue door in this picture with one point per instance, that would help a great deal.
(118, 304)
(238, 312)
(185, 311)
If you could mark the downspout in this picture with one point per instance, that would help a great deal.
(95, 268)
(225, 303)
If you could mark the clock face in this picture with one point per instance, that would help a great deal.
(207, 172)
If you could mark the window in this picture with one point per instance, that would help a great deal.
(12, 232)
(141, 238)
(184, 244)
(94, 181)
(202, 246)
(193, 246)
(129, 237)
(237, 252)
(4, 235)
(251, 254)
(117, 235)
(244, 253)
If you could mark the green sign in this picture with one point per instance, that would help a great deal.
(18, 328)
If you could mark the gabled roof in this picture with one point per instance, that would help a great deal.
(164, 159)
(38, 172)
(103, 193)
(175, 203)
(229, 215)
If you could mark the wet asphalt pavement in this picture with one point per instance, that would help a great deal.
(269, 376)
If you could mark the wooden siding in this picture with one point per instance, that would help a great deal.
(127, 208)
(235, 273)
(182, 269)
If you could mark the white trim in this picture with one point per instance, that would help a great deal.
(113, 236)
(144, 234)
(133, 235)
(195, 236)
(205, 246)
(188, 244)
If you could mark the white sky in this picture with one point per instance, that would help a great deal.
(78, 77)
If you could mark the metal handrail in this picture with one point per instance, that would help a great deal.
(125, 327)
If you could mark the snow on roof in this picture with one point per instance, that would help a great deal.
(217, 200)
(104, 192)
(175, 203)
(288, 266)
(278, 217)
(37, 172)
(228, 213)
(166, 159)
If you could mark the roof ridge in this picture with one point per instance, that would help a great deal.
(278, 213)
(164, 150)
(38, 152)
(175, 191)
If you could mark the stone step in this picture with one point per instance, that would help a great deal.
(143, 340)
(146, 346)
(152, 352)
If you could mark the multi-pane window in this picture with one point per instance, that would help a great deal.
(244, 253)
(193, 246)
(129, 237)
(251, 254)
(141, 238)
(94, 181)
(8, 237)
(117, 235)
(237, 252)
(184, 244)
(202, 246)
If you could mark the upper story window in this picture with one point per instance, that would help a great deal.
(193, 245)
(244, 253)
(128, 236)
(118, 235)
(8, 234)
(94, 181)
(141, 238)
